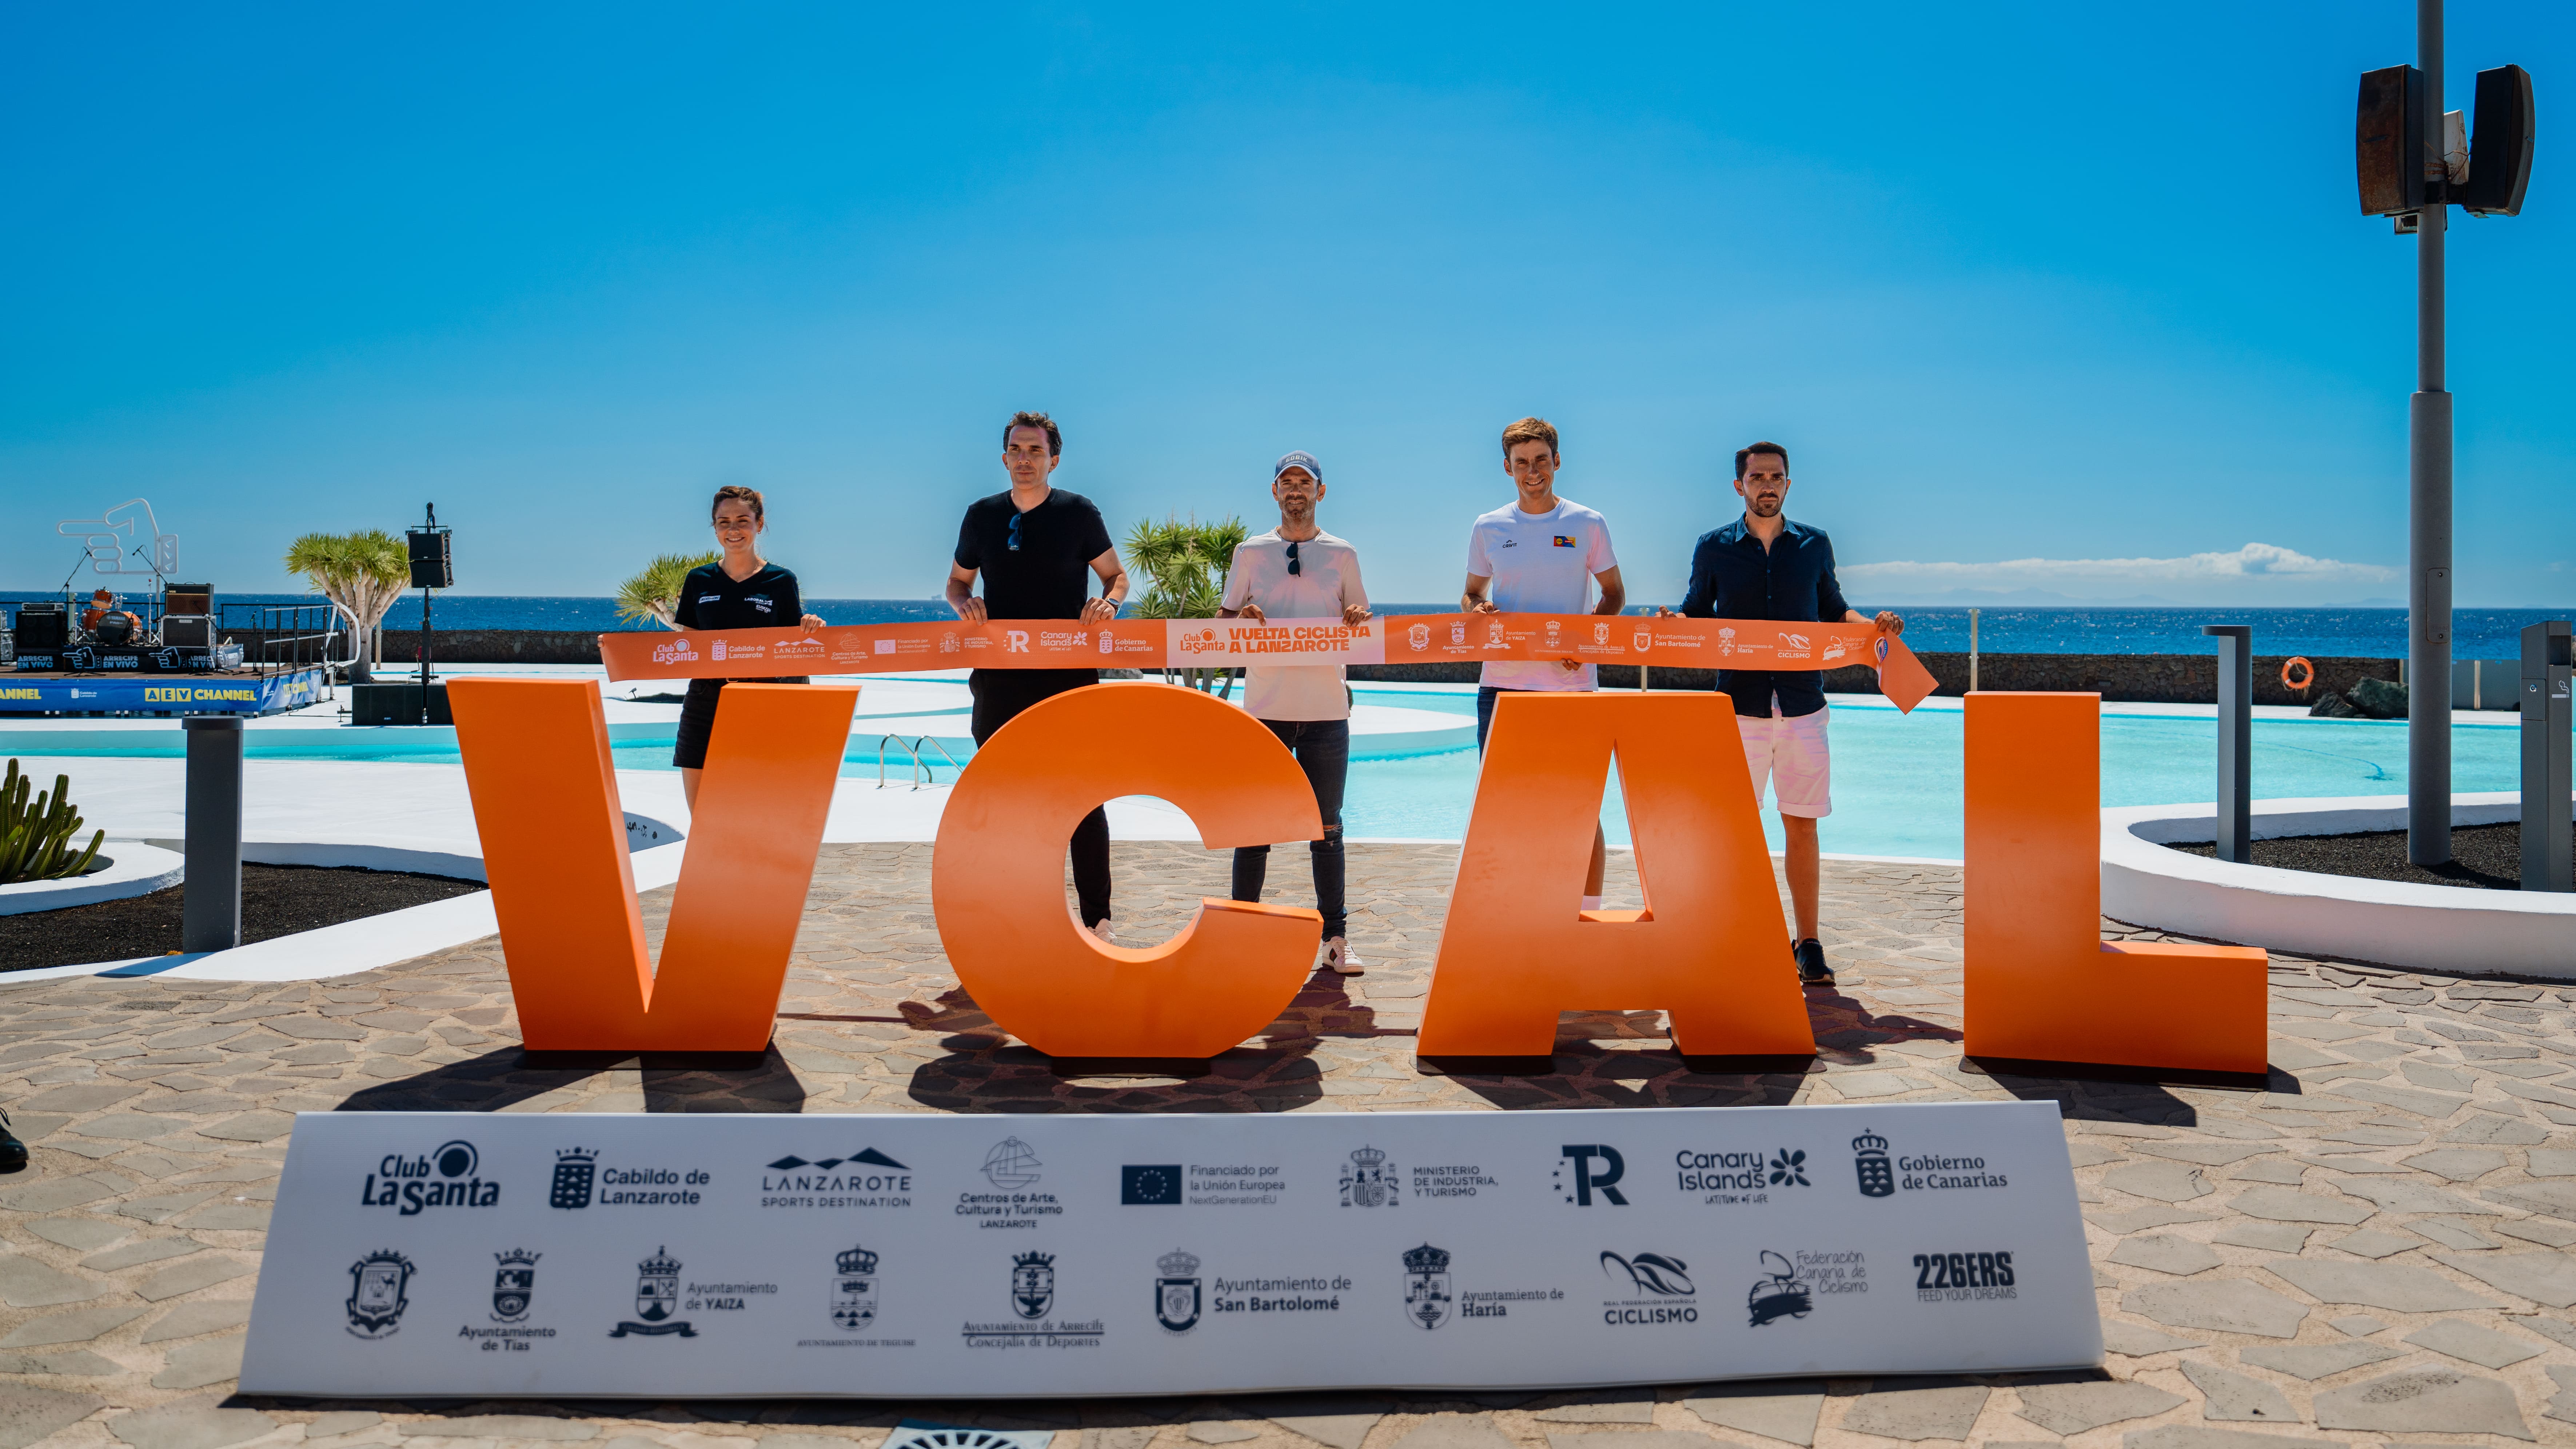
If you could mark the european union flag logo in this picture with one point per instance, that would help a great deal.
(1151, 1185)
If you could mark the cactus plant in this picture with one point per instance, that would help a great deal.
(36, 841)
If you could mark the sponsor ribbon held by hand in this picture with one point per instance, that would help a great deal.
(1227, 643)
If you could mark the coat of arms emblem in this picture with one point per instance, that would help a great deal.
(1426, 1286)
(1642, 640)
(1600, 633)
(1368, 1180)
(657, 1297)
(1032, 1284)
(576, 1170)
(377, 1296)
(1458, 631)
(1176, 1292)
(1553, 629)
(1420, 637)
(854, 1288)
(514, 1284)
(1726, 641)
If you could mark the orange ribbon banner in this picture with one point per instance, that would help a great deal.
(1227, 643)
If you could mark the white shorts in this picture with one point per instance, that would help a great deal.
(1792, 755)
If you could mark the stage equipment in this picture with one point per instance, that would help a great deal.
(430, 570)
(188, 615)
(43, 627)
(115, 629)
(398, 704)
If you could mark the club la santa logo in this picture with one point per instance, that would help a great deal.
(675, 652)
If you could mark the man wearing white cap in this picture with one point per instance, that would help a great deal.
(1298, 571)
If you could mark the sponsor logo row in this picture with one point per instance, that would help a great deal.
(1649, 1289)
(1014, 1192)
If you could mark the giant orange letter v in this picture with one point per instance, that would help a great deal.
(554, 850)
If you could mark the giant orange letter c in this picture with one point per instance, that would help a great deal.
(997, 875)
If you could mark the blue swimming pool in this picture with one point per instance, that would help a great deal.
(1896, 777)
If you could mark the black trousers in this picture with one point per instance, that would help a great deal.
(1322, 749)
(1000, 695)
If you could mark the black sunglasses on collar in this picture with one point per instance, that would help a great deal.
(1294, 568)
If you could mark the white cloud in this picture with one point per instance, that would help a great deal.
(2257, 570)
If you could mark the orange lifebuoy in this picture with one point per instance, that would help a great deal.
(2307, 673)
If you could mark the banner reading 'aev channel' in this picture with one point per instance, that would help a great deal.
(580, 1255)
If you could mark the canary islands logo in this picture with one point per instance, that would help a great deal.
(1869, 1159)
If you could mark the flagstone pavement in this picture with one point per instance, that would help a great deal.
(2373, 1251)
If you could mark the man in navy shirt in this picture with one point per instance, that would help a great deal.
(1762, 566)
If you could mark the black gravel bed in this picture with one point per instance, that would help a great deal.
(2483, 857)
(277, 900)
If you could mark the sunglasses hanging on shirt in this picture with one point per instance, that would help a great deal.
(1294, 568)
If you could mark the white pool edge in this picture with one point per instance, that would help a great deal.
(2394, 923)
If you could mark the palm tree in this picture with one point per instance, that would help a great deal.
(653, 596)
(362, 574)
(1185, 564)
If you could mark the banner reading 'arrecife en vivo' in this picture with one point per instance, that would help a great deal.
(1228, 643)
(577, 1255)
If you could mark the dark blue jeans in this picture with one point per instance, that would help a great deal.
(1323, 751)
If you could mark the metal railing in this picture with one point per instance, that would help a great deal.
(912, 750)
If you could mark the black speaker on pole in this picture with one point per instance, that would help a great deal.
(2500, 146)
(430, 566)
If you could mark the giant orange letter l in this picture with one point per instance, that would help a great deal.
(2041, 982)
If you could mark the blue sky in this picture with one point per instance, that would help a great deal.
(2026, 288)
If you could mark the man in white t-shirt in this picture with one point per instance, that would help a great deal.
(1540, 554)
(1298, 571)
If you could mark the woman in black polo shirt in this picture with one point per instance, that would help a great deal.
(741, 590)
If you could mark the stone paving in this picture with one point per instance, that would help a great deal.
(2372, 1251)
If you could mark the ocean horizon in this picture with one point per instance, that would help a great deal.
(2370, 633)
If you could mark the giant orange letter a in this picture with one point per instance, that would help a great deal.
(554, 850)
(1710, 948)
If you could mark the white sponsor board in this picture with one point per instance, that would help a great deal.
(674, 1255)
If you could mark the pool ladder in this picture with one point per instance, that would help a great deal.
(912, 748)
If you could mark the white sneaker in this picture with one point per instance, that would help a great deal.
(1339, 955)
(1107, 933)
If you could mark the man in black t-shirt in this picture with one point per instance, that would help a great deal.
(1035, 546)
